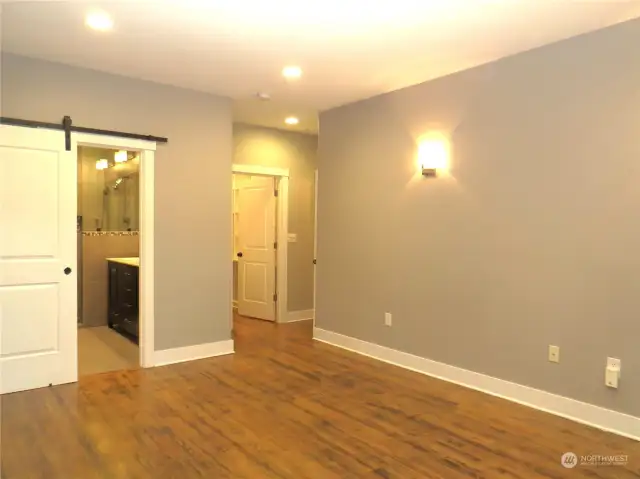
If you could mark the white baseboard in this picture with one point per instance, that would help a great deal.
(304, 315)
(191, 353)
(595, 416)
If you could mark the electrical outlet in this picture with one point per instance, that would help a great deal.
(554, 354)
(615, 364)
(387, 319)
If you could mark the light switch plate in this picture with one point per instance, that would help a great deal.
(554, 354)
(611, 377)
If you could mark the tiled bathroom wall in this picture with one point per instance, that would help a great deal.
(97, 246)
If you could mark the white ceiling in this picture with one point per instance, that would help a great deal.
(348, 49)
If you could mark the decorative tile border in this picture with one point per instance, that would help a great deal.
(110, 233)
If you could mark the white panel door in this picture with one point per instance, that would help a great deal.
(256, 247)
(38, 300)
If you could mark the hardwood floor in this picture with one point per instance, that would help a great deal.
(286, 407)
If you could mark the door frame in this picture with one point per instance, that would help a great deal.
(146, 232)
(315, 243)
(282, 231)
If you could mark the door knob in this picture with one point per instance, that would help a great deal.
(67, 271)
(239, 255)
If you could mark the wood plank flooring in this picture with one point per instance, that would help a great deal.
(285, 406)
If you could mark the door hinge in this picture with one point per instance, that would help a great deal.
(275, 297)
(275, 245)
(275, 192)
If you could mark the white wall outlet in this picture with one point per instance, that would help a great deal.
(387, 319)
(292, 238)
(554, 354)
(613, 363)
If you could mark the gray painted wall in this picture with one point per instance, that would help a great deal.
(297, 151)
(533, 241)
(192, 188)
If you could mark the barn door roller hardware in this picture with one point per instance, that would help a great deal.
(67, 126)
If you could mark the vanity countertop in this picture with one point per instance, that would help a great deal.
(127, 261)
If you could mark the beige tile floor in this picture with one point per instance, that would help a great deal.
(101, 349)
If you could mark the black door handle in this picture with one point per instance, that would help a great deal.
(239, 255)
(67, 271)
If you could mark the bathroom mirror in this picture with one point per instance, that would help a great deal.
(108, 189)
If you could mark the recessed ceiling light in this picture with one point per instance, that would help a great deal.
(292, 72)
(291, 120)
(99, 21)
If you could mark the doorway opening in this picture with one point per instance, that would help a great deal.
(108, 227)
(115, 224)
(260, 231)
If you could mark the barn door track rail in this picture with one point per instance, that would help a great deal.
(67, 126)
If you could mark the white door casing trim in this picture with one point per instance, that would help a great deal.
(147, 222)
(315, 243)
(260, 170)
(282, 231)
(584, 413)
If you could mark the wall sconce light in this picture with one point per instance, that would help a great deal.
(429, 172)
(102, 164)
(120, 156)
(432, 156)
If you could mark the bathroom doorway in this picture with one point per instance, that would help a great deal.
(108, 227)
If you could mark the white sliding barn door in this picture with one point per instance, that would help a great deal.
(38, 299)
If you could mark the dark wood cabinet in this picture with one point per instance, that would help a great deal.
(123, 299)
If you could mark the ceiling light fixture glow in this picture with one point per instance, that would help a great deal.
(292, 72)
(102, 164)
(120, 156)
(99, 21)
(291, 120)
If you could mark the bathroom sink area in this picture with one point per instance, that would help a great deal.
(123, 299)
(127, 261)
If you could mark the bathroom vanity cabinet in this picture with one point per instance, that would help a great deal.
(123, 296)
